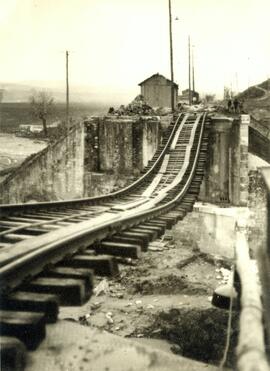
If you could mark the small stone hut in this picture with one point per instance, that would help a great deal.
(156, 91)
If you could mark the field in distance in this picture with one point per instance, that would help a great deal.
(14, 114)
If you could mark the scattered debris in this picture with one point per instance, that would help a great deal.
(95, 305)
(84, 319)
(109, 317)
(167, 237)
(126, 261)
(176, 349)
(129, 304)
(70, 319)
(156, 246)
(157, 331)
(102, 288)
(137, 107)
(165, 287)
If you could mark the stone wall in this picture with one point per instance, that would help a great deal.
(53, 174)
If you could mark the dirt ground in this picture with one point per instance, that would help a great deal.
(13, 150)
(165, 295)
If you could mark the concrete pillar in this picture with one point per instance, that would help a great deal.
(215, 187)
(244, 178)
(226, 178)
(125, 146)
(150, 138)
(239, 161)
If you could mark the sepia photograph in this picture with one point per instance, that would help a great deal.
(134, 185)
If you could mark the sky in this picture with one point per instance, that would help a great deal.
(116, 44)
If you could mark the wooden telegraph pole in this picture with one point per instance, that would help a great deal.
(193, 75)
(189, 74)
(171, 56)
(67, 94)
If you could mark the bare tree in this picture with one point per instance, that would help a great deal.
(42, 105)
(2, 92)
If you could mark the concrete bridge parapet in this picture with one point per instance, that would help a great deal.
(55, 173)
(98, 156)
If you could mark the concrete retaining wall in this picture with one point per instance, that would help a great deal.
(99, 156)
(211, 228)
(53, 174)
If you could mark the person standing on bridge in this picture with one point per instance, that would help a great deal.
(241, 106)
(229, 105)
(236, 105)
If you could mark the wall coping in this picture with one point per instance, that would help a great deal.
(222, 118)
(232, 211)
(35, 156)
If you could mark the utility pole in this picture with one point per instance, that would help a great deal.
(67, 94)
(189, 74)
(193, 76)
(171, 56)
(236, 82)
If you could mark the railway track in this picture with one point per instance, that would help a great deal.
(50, 252)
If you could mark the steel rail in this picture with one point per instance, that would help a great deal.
(73, 216)
(54, 246)
(6, 209)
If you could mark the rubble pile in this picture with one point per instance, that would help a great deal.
(136, 107)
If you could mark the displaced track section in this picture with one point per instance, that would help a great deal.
(50, 251)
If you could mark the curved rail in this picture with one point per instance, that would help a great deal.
(54, 246)
(8, 208)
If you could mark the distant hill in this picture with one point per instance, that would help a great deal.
(20, 92)
(15, 92)
(256, 101)
(256, 91)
